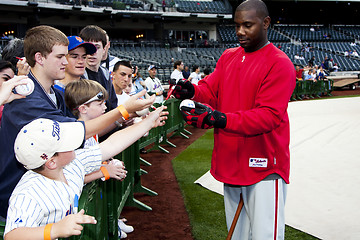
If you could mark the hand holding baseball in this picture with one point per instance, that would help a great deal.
(202, 115)
(6, 94)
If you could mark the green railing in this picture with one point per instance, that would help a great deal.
(105, 200)
(311, 89)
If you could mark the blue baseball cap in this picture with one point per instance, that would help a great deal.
(76, 41)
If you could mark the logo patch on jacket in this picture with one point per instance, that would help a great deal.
(258, 162)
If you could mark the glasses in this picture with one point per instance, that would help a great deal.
(97, 97)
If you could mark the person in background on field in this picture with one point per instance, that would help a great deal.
(153, 85)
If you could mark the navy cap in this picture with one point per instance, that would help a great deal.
(76, 41)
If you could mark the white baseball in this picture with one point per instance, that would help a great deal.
(142, 112)
(25, 89)
(117, 162)
(187, 103)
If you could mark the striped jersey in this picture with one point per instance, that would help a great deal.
(38, 200)
(92, 141)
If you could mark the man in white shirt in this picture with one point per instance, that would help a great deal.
(177, 73)
(122, 76)
(153, 85)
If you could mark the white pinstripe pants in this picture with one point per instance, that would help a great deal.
(262, 216)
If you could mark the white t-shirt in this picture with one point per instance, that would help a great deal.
(176, 74)
(195, 78)
(38, 200)
(122, 98)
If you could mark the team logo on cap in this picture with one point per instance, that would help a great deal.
(56, 130)
(78, 38)
(44, 156)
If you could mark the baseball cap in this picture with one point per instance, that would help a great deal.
(40, 139)
(76, 41)
(151, 67)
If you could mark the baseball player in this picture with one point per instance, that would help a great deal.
(43, 201)
(250, 89)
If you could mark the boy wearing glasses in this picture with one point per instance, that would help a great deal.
(87, 99)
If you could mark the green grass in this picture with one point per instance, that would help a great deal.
(206, 208)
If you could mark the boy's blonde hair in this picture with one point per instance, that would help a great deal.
(80, 91)
(42, 39)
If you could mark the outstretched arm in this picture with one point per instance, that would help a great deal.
(122, 139)
(135, 103)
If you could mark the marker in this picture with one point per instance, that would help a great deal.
(19, 58)
(170, 92)
(76, 204)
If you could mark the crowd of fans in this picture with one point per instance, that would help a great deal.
(46, 55)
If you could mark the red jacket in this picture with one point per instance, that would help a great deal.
(253, 90)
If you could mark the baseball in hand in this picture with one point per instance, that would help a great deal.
(142, 112)
(187, 103)
(25, 89)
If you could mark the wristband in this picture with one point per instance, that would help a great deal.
(105, 172)
(123, 112)
(47, 231)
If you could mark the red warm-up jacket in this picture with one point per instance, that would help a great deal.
(253, 90)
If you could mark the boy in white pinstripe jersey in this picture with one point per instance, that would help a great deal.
(41, 204)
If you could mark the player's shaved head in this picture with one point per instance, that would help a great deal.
(258, 5)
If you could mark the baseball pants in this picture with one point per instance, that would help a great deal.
(262, 216)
